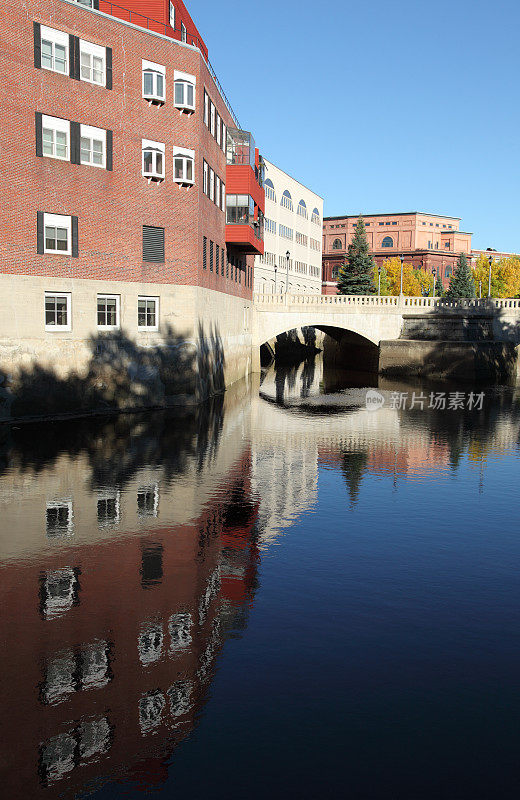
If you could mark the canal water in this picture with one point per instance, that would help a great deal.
(307, 587)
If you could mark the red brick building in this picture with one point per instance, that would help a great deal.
(427, 241)
(126, 174)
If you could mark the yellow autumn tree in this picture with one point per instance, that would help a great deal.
(414, 281)
(505, 276)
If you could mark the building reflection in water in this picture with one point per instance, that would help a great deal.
(130, 550)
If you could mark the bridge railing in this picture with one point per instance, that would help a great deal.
(358, 300)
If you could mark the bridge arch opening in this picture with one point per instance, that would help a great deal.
(342, 349)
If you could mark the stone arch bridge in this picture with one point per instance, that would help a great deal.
(419, 334)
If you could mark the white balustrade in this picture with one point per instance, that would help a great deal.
(373, 301)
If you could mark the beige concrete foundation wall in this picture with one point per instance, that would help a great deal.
(203, 345)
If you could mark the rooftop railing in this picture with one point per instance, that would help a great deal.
(149, 24)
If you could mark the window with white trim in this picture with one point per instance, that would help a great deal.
(184, 88)
(54, 50)
(92, 63)
(57, 311)
(148, 313)
(56, 137)
(211, 185)
(93, 148)
(315, 216)
(269, 190)
(224, 130)
(183, 32)
(302, 209)
(154, 81)
(153, 160)
(206, 109)
(223, 196)
(108, 311)
(108, 506)
(219, 128)
(172, 15)
(286, 200)
(58, 234)
(59, 519)
(183, 165)
(217, 190)
(212, 112)
(205, 177)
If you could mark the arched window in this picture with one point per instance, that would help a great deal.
(335, 273)
(286, 201)
(302, 209)
(315, 217)
(337, 244)
(387, 242)
(269, 189)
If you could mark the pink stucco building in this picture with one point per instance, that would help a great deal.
(428, 241)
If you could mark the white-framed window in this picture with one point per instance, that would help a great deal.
(183, 32)
(184, 87)
(205, 178)
(57, 233)
(172, 15)
(286, 200)
(219, 129)
(93, 148)
(315, 216)
(154, 81)
(57, 311)
(148, 313)
(150, 642)
(183, 163)
(206, 109)
(54, 50)
(59, 591)
(108, 500)
(108, 311)
(223, 196)
(224, 134)
(217, 190)
(59, 518)
(56, 137)
(211, 185)
(153, 159)
(212, 113)
(148, 501)
(92, 63)
(87, 3)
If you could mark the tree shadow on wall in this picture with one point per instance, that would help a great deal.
(121, 375)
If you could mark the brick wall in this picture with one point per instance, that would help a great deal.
(111, 206)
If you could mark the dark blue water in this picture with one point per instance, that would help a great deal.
(280, 595)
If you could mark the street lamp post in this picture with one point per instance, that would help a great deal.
(379, 281)
(434, 273)
(489, 283)
(288, 255)
(402, 265)
(275, 268)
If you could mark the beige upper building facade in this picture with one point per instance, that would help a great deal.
(293, 224)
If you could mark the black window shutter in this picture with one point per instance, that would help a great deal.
(40, 241)
(72, 56)
(153, 244)
(37, 45)
(110, 150)
(109, 68)
(204, 252)
(75, 135)
(210, 256)
(77, 59)
(75, 247)
(38, 127)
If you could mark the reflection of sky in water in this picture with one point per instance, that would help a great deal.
(362, 563)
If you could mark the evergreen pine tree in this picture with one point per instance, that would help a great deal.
(461, 282)
(439, 288)
(356, 272)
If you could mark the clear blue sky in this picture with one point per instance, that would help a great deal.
(381, 106)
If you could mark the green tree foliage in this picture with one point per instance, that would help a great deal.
(439, 288)
(356, 272)
(461, 282)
